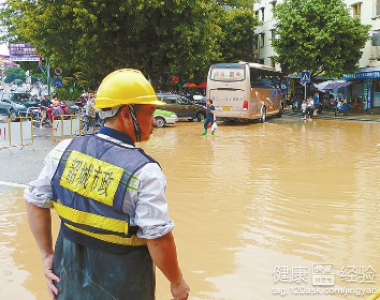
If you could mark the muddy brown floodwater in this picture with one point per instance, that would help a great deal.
(260, 210)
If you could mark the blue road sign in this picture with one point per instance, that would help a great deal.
(305, 77)
(58, 83)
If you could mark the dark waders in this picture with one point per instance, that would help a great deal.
(90, 274)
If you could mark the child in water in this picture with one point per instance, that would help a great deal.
(303, 108)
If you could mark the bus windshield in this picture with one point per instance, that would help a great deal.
(228, 72)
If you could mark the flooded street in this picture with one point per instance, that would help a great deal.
(255, 206)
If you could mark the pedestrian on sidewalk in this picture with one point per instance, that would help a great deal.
(310, 108)
(332, 102)
(210, 116)
(316, 99)
(115, 227)
(304, 109)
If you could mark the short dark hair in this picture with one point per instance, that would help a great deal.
(209, 100)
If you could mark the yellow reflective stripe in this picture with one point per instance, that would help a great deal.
(91, 177)
(110, 238)
(93, 220)
(132, 188)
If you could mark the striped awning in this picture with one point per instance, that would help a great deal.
(332, 84)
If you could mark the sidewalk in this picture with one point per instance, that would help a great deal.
(352, 116)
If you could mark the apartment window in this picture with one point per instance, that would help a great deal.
(262, 14)
(377, 7)
(356, 10)
(273, 2)
(262, 37)
(273, 34)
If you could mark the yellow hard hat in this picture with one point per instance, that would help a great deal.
(125, 87)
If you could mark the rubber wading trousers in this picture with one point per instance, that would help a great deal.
(90, 274)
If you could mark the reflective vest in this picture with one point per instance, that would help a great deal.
(89, 187)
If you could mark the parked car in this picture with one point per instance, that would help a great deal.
(22, 98)
(182, 107)
(15, 104)
(199, 99)
(164, 117)
(8, 110)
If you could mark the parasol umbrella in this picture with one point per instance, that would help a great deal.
(189, 85)
(202, 85)
(331, 84)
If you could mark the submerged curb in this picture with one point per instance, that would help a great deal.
(330, 115)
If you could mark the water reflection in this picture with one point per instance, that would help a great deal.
(285, 193)
(255, 196)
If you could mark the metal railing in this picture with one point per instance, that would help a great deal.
(16, 132)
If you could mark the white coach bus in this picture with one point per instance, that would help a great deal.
(245, 91)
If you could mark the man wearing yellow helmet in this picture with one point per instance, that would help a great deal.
(110, 198)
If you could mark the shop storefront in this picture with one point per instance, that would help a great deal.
(365, 87)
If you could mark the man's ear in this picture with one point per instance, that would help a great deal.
(125, 113)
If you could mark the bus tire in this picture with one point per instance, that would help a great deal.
(279, 115)
(263, 114)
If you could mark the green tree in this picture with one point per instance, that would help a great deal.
(238, 36)
(72, 87)
(319, 36)
(14, 74)
(99, 36)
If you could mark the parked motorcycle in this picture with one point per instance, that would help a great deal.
(78, 108)
(319, 108)
(342, 107)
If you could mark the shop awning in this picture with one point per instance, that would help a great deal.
(331, 84)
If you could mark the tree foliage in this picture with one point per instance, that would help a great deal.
(14, 74)
(238, 37)
(319, 36)
(96, 37)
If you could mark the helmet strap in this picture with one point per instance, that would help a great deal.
(135, 124)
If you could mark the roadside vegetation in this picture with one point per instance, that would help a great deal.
(319, 36)
(161, 38)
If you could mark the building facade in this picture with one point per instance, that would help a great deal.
(365, 86)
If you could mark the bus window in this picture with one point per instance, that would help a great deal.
(258, 79)
(255, 79)
(228, 72)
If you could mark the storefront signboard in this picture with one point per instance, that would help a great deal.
(364, 75)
